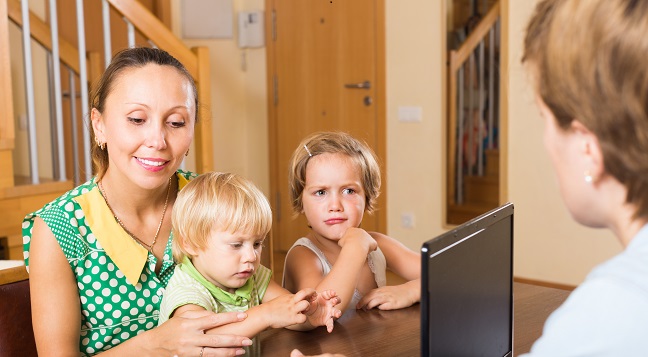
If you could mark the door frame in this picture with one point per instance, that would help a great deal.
(380, 103)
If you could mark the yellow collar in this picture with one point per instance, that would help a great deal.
(125, 252)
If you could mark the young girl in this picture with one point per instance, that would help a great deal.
(334, 178)
(220, 221)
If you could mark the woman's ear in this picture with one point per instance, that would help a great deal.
(590, 150)
(97, 125)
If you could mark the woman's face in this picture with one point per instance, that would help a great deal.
(147, 124)
(570, 154)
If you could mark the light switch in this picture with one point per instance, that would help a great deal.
(410, 114)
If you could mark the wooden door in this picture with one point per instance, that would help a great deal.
(317, 50)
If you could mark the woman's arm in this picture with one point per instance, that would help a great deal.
(56, 311)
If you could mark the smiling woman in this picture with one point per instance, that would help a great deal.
(107, 243)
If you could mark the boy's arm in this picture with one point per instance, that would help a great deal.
(320, 310)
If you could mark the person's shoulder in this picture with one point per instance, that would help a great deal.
(188, 175)
(65, 199)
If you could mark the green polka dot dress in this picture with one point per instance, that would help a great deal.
(119, 294)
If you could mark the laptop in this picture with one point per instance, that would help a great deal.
(467, 288)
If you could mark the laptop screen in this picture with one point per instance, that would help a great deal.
(467, 288)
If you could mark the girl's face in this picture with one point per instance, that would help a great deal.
(229, 260)
(147, 124)
(333, 196)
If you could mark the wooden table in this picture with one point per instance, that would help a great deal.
(397, 332)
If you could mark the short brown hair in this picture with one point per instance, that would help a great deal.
(215, 200)
(589, 59)
(334, 143)
(136, 57)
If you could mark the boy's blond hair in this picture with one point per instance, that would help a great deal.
(217, 201)
(334, 143)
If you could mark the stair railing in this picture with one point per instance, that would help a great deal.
(81, 69)
(473, 82)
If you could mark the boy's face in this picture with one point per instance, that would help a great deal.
(230, 259)
(333, 196)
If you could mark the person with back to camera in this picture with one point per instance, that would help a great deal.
(334, 178)
(220, 221)
(587, 60)
(99, 256)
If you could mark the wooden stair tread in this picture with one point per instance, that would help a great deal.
(46, 186)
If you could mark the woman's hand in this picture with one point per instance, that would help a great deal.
(184, 335)
(297, 353)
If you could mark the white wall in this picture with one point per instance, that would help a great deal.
(549, 245)
(238, 104)
(415, 35)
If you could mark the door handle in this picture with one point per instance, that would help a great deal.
(361, 85)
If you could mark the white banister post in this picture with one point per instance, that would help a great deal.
(83, 74)
(58, 106)
(29, 86)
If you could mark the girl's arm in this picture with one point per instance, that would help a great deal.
(56, 313)
(400, 259)
(303, 268)
(404, 262)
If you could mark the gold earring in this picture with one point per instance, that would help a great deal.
(101, 145)
(187, 153)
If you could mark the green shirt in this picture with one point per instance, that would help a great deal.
(183, 289)
(119, 291)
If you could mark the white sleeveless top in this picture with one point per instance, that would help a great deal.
(376, 260)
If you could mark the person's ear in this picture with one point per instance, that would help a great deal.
(190, 249)
(590, 150)
(97, 125)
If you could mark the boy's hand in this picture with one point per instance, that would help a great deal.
(286, 310)
(322, 310)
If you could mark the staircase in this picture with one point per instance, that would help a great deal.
(59, 160)
(481, 192)
(473, 181)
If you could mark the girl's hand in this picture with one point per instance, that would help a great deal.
(184, 335)
(392, 297)
(358, 237)
(322, 310)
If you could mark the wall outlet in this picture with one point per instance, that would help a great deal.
(407, 220)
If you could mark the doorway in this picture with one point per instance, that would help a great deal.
(326, 71)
